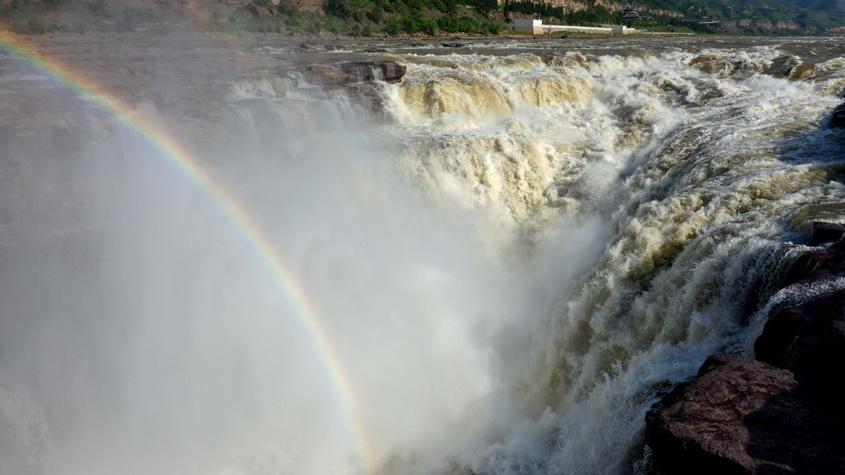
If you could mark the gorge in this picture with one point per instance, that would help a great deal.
(394, 257)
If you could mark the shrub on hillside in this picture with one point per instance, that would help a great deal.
(416, 23)
(468, 24)
(392, 26)
(357, 9)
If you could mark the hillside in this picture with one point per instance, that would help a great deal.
(811, 16)
(709, 16)
(429, 17)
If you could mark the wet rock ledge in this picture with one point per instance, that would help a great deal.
(837, 118)
(353, 72)
(780, 413)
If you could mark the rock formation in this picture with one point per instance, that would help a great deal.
(743, 416)
(837, 118)
(780, 413)
(353, 72)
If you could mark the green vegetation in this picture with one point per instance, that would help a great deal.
(369, 17)
(418, 17)
(429, 17)
(733, 16)
(597, 15)
(759, 16)
(342, 17)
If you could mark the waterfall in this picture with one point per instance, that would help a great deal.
(513, 255)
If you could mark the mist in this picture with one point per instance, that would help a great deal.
(142, 333)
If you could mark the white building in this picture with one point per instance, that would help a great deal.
(536, 27)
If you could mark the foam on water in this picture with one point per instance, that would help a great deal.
(694, 160)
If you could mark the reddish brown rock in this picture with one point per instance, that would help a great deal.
(742, 416)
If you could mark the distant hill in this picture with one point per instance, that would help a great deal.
(821, 5)
(430, 17)
(727, 16)
(732, 16)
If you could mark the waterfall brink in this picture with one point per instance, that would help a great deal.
(514, 254)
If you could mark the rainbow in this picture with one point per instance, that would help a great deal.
(230, 206)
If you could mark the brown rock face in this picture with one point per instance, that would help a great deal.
(354, 72)
(742, 417)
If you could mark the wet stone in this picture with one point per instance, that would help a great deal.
(837, 117)
(742, 416)
(824, 233)
(353, 72)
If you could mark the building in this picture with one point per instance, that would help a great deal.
(536, 27)
(629, 15)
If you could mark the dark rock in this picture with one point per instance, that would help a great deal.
(817, 264)
(743, 417)
(809, 339)
(453, 44)
(837, 117)
(808, 336)
(340, 74)
(824, 233)
(782, 66)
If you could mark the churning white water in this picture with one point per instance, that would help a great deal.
(513, 254)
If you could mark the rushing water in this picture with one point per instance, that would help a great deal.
(514, 251)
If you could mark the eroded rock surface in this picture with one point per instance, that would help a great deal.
(743, 416)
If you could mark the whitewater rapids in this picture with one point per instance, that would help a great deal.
(515, 251)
